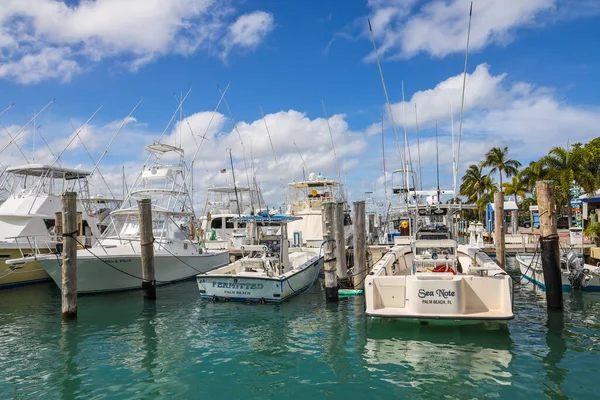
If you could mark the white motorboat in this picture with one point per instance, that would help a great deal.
(268, 273)
(115, 262)
(28, 217)
(220, 228)
(435, 280)
(575, 274)
(305, 200)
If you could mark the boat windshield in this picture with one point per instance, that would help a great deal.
(434, 252)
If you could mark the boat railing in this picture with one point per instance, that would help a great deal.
(40, 244)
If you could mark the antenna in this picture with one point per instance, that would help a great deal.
(387, 99)
(437, 160)
(462, 104)
(419, 149)
(243, 148)
(383, 155)
(272, 147)
(337, 163)
(234, 184)
(302, 159)
(17, 136)
(406, 147)
(115, 136)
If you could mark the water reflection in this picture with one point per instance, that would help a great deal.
(467, 356)
(70, 377)
(557, 347)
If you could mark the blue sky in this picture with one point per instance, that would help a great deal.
(532, 83)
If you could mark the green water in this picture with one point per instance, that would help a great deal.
(184, 347)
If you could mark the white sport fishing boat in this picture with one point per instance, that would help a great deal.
(435, 280)
(115, 262)
(28, 218)
(575, 273)
(268, 273)
(305, 200)
(220, 226)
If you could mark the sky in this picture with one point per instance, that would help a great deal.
(83, 66)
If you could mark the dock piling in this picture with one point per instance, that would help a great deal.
(549, 245)
(340, 242)
(329, 263)
(499, 229)
(68, 201)
(360, 245)
(147, 249)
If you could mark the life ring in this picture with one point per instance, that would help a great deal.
(444, 268)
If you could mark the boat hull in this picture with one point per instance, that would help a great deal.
(18, 275)
(535, 275)
(258, 289)
(124, 272)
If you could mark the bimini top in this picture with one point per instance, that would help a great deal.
(163, 148)
(266, 219)
(50, 171)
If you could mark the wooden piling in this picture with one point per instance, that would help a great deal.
(549, 245)
(360, 245)
(147, 246)
(68, 201)
(329, 267)
(499, 229)
(371, 230)
(340, 242)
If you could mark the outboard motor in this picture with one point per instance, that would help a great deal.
(578, 274)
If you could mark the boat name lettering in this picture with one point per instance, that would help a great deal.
(119, 260)
(231, 285)
(443, 293)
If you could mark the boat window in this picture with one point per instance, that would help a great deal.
(439, 251)
(216, 223)
(241, 224)
(229, 223)
(49, 223)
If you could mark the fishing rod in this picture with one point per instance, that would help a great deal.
(272, 147)
(385, 192)
(57, 159)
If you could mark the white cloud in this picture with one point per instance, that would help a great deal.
(249, 30)
(54, 40)
(439, 27)
(527, 118)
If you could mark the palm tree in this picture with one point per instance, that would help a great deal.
(568, 167)
(515, 187)
(475, 183)
(499, 162)
(535, 171)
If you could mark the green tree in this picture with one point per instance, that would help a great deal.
(515, 187)
(473, 183)
(568, 167)
(497, 159)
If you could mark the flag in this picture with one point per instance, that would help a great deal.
(223, 171)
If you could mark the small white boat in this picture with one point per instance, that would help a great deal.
(575, 274)
(437, 281)
(269, 273)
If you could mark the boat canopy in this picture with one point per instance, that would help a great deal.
(268, 219)
(50, 171)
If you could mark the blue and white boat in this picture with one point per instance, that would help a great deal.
(268, 272)
(575, 274)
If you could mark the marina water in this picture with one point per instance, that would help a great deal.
(185, 347)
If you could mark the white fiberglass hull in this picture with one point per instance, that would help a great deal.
(258, 289)
(481, 295)
(533, 273)
(95, 276)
